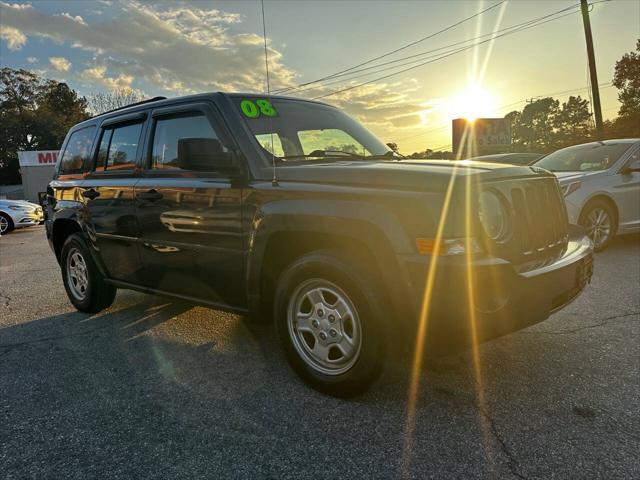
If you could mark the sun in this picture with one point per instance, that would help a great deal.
(472, 103)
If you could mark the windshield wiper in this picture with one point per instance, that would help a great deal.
(339, 155)
(390, 155)
(322, 154)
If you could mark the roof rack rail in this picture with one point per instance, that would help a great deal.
(154, 99)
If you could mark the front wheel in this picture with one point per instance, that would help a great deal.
(83, 282)
(329, 320)
(598, 218)
(6, 224)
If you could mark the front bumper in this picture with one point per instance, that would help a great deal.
(501, 300)
(27, 218)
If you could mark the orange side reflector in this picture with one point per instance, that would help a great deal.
(425, 245)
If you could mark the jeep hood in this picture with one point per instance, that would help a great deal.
(409, 174)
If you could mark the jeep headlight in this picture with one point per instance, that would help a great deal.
(494, 215)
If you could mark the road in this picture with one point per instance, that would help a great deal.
(155, 388)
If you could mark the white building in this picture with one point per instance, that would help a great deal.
(36, 168)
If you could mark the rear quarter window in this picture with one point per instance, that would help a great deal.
(77, 152)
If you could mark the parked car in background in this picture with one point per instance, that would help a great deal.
(18, 214)
(510, 158)
(601, 186)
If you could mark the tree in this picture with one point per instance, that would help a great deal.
(626, 79)
(121, 97)
(572, 122)
(35, 114)
(534, 129)
(393, 146)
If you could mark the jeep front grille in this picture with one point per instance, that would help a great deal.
(540, 218)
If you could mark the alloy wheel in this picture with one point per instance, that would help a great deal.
(4, 224)
(599, 226)
(324, 327)
(77, 274)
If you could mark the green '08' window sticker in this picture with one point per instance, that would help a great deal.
(253, 109)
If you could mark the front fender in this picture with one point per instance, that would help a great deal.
(365, 222)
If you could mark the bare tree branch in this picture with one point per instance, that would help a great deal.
(104, 101)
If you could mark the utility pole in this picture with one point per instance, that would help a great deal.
(597, 109)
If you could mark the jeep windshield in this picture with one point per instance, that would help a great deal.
(297, 130)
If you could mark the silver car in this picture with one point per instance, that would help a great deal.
(19, 213)
(601, 186)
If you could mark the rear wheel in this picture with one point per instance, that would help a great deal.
(6, 224)
(83, 282)
(329, 320)
(599, 220)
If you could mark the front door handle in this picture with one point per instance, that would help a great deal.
(151, 195)
(91, 193)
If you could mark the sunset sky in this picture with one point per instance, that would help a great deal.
(176, 48)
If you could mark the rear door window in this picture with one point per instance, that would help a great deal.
(119, 147)
(77, 152)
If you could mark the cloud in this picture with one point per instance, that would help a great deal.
(15, 38)
(385, 105)
(173, 47)
(32, 59)
(60, 63)
(77, 18)
(97, 75)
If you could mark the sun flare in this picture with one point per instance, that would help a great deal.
(472, 103)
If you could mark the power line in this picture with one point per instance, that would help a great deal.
(439, 58)
(453, 52)
(411, 44)
(564, 92)
(517, 27)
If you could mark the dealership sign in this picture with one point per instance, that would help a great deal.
(38, 158)
(481, 133)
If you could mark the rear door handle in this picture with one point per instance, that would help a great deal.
(91, 194)
(151, 195)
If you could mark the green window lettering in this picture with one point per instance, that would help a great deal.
(249, 109)
(261, 106)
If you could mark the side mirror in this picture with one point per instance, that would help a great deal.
(632, 167)
(203, 155)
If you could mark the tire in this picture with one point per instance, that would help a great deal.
(6, 223)
(84, 283)
(329, 319)
(599, 219)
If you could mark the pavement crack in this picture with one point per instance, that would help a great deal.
(602, 323)
(477, 404)
(512, 462)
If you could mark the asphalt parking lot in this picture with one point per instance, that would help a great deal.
(155, 388)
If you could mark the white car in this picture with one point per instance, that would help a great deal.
(601, 186)
(18, 214)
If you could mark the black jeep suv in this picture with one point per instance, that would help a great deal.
(289, 209)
